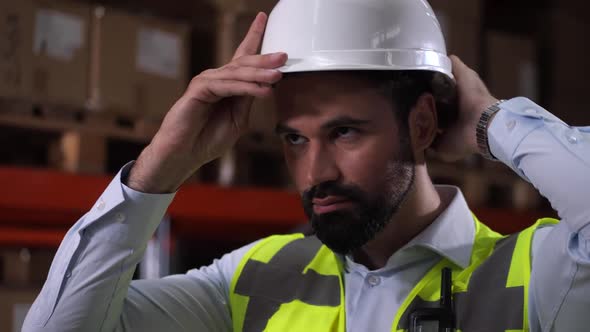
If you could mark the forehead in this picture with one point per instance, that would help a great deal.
(328, 94)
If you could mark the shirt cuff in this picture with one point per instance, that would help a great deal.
(517, 118)
(124, 216)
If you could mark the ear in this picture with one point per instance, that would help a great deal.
(423, 123)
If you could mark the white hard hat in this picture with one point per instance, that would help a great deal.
(322, 35)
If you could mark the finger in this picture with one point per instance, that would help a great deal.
(460, 69)
(457, 62)
(214, 90)
(272, 60)
(246, 74)
(253, 39)
(458, 65)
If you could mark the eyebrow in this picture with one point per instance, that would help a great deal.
(341, 121)
(344, 121)
(284, 129)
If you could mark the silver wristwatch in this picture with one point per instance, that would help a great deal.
(482, 130)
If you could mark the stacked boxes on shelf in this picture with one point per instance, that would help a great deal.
(88, 63)
(45, 52)
(16, 45)
(60, 53)
(64, 55)
(139, 65)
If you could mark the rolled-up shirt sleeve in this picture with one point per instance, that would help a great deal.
(555, 158)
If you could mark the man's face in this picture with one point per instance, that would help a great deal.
(349, 157)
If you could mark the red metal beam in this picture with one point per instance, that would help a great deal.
(37, 206)
(30, 238)
(46, 197)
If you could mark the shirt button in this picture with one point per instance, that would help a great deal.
(531, 111)
(68, 274)
(120, 217)
(572, 139)
(101, 205)
(373, 280)
(511, 124)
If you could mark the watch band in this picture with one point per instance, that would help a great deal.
(481, 132)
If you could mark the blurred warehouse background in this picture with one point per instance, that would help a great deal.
(84, 86)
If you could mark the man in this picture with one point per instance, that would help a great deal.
(354, 142)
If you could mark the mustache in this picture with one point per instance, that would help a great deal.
(332, 188)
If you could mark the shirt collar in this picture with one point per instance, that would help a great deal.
(451, 235)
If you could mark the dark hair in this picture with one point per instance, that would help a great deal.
(405, 87)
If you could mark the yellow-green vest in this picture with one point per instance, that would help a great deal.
(294, 283)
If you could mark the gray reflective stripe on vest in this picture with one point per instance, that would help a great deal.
(488, 305)
(281, 280)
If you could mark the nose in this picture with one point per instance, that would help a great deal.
(321, 165)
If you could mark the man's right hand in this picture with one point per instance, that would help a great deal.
(209, 118)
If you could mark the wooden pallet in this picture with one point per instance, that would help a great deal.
(26, 114)
(79, 142)
(79, 138)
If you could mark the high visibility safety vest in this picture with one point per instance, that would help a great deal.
(294, 283)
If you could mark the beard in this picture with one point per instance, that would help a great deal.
(346, 230)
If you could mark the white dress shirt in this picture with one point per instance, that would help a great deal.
(89, 285)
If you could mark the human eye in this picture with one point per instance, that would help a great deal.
(345, 133)
(294, 139)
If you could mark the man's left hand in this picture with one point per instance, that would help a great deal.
(459, 140)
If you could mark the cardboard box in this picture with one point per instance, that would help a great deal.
(162, 65)
(139, 64)
(16, 43)
(460, 22)
(512, 66)
(14, 305)
(60, 53)
(112, 73)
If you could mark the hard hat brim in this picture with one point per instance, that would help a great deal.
(383, 60)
